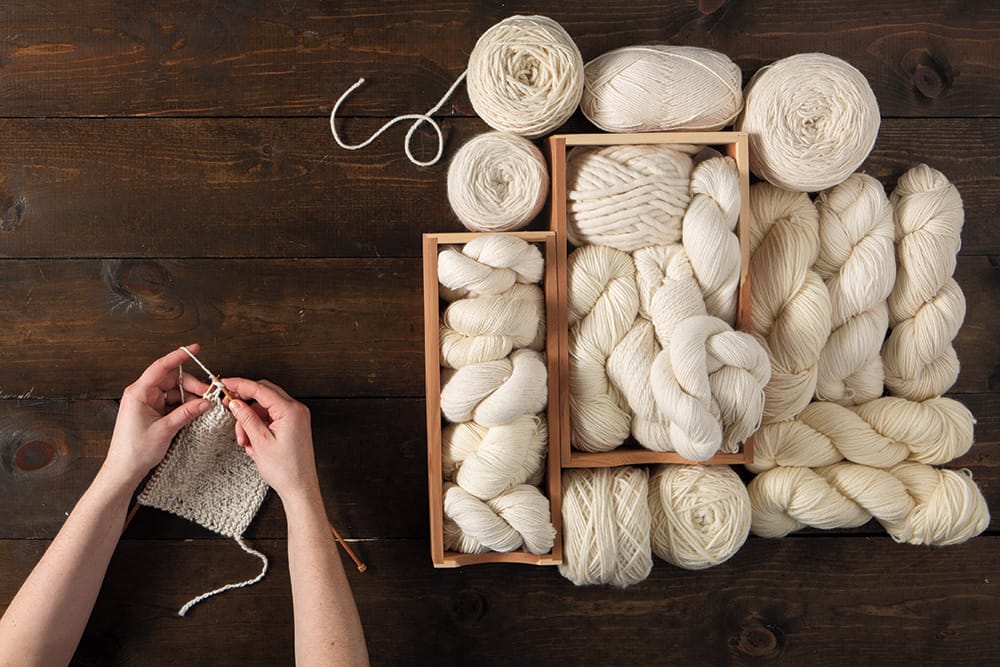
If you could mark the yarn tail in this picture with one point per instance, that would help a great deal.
(249, 582)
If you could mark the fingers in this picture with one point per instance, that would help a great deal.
(247, 419)
(162, 373)
(180, 417)
(266, 393)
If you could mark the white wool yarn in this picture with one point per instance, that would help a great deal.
(710, 383)
(606, 526)
(926, 307)
(488, 461)
(603, 302)
(661, 88)
(812, 120)
(879, 433)
(914, 502)
(525, 76)
(857, 261)
(628, 367)
(489, 264)
(487, 328)
(497, 182)
(790, 304)
(709, 234)
(495, 392)
(626, 196)
(518, 517)
(700, 515)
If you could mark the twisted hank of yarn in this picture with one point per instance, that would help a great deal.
(518, 517)
(487, 328)
(626, 196)
(606, 526)
(914, 502)
(661, 88)
(495, 392)
(857, 261)
(812, 120)
(497, 182)
(488, 461)
(488, 264)
(790, 304)
(926, 307)
(700, 515)
(879, 433)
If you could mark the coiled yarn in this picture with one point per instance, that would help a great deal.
(857, 261)
(700, 515)
(497, 182)
(525, 76)
(661, 88)
(879, 433)
(495, 392)
(488, 461)
(606, 524)
(518, 517)
(914, 502)
(487, 328)
(812, 120)
(926, 307)
(488, 264)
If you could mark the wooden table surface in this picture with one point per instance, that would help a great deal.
(167, 175)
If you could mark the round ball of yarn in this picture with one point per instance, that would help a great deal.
(488, 265)
(661, 88)
(606, 524)
(497, 182)
(516, 518)
(495, 392)
(486, 328)
(626, 196)
(812, 120)
(700, 515)
(488, 461)
(525, 76)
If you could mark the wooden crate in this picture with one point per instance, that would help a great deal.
(432, 356)
(733, 144)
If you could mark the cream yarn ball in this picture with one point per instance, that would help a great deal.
(497, 182)
(811, 118)
(661, 88)
(488, 461)
(487, 328)
(489, 264)
(700, 515)
(518, 517)
(495, 392)
(525, 76)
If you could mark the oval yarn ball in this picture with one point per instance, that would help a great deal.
(661, 88)
(488, 265)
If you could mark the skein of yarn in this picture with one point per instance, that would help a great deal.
(495, 392)
(812, 119)
(525, 76)
(519, 517)
(487, 328)
(488, 265)
(700, 515)
(497, 182)
(661, 88)
(488, 461)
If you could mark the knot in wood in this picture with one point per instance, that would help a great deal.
(707, 7)
(929, 74)
(11, 213)
(469, 607)
(34, 455)
(757, 640)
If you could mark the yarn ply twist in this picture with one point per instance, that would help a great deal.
(487, 328)
(518, 517)
(857, 262)
(790, 304)
(914, 502)
(488, 461)
(926, 307)
(495, 392)
(879, 433)
(488, 265)
(606, 526)
(525, 76)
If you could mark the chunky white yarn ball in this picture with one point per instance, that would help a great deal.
(661, 88)
(488, 461)
(518, 517)
(525, 76)
(700, 515)
(497, 182)
(495, 392)
(812, 120)
(488, 265)
(487, 328)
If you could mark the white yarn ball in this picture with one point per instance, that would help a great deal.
(700, 514)
(497, 182)
(661, 88)
(811, 118)
(487, 328)
(516, 518)
(525, 76)
(488, 265)
(496, 392)
(488, 461)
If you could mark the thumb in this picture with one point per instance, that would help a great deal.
(251, 423)
(181, 416)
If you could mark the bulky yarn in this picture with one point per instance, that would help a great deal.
(487, 328)
(914, 502)
(812, 120)
(661, 88)
(488, 265)
(497, 182)
(525, 76)
(495, 392)
(790, 305)
(488, 461)
(879, 433)
(626, 196)
(926, 307)
(857, 261)
(700, 515)
(518, 517)
(606, 524)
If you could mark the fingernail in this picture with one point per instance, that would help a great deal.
(203, 407)
(235, 406)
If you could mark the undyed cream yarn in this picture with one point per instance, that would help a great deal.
(857, 261)
(661, 88)
(926, 307)
(606, 526)
(487, 328)
(812, 120)
(700, 515)
(495, 392)
(517, 518)
(626, 196)
(488, 264)
(497, 182)
(525, 76)
(488, 461)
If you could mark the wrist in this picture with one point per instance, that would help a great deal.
(302, 501)
(114, 484)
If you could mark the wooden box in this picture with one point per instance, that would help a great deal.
(432, 356)
(733, 144)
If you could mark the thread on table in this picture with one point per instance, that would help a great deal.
(228, 587)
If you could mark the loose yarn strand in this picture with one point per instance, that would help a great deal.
(228, 587)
